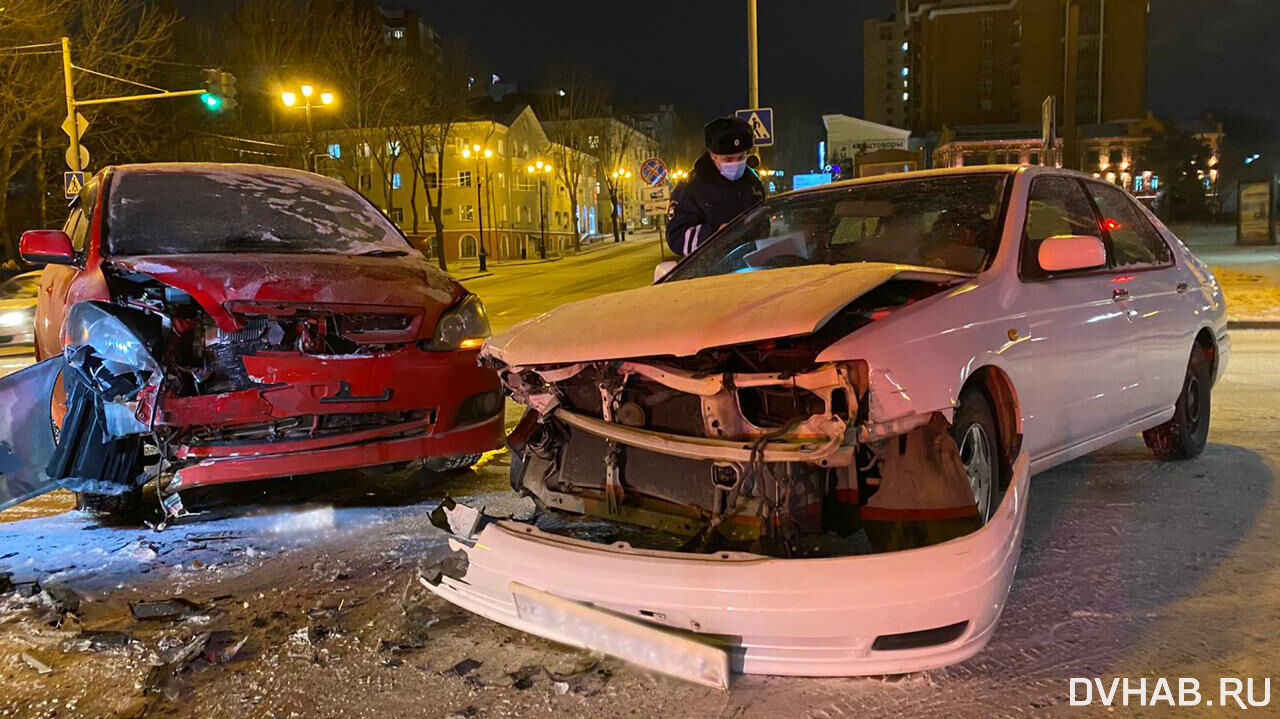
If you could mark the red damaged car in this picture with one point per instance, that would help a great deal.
(224, 323)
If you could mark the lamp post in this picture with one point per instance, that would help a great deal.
(541, 169)
(290, 99)
(619, 175)
(482, 154)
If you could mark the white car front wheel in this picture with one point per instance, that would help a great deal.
(974, 431)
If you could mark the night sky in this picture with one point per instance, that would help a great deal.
(1204, 54)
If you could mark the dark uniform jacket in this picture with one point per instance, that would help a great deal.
(707, 200)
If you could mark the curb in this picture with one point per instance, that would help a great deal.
(473, 277)
(1253, 325)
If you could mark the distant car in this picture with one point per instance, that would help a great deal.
(224, 323)
(18, 311)
(810, 441)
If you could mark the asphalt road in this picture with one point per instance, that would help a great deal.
(1130, 568)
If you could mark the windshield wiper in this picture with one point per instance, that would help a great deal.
(383, 253)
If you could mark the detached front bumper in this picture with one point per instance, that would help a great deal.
(877, 614)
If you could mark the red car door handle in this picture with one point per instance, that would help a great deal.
(1119, 294)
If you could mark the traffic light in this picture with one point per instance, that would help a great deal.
(212, 97)
(219, 90)
(227, 90)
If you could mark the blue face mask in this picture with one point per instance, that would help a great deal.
(732, 170)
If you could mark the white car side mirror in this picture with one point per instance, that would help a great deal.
(663, 269)
(1063, 253)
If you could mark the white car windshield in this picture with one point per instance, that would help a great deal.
(950, 223)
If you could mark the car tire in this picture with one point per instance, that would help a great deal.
(975, 433)
(453, 463)
(1186, 433)
(112, 508)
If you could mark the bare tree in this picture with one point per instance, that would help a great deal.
(570, 117)
(269, 44)
(615, 140)
(370, 78)
(111, 38)
(441, 108)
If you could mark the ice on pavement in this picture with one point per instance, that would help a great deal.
(74, 546)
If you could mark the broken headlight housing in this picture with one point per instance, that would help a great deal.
(113, 334)
(463, 326)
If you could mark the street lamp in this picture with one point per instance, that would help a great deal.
(290, 100)
(541, 169)
(482, 154)
(621, 206)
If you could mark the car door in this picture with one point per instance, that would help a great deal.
(1080, 326)
(57, 282)
(1158, 299)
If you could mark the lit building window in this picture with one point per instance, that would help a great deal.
(905, 45)
(906, 71)
(393, 148)
(335, 151)
(395, 181)
(398, 33)
(464, 179)
(906, 96)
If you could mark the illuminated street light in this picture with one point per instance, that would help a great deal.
(479, 153)
(290, 100)
(542, 169)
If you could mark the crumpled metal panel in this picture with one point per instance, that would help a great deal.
(26, 432)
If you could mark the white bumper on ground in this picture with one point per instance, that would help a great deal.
(806, 617)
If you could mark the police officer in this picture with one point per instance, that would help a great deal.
(719, 188)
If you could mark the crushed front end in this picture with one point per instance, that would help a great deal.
(747, 497)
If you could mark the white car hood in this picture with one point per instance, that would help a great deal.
(683, 318)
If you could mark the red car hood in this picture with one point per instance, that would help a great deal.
(213, 280)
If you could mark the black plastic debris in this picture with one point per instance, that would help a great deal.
(174, 608)
(62, 599)
(26, 590)
(453, 565)
(523, 678)
(464, 667)
(6, 582)
(399, 646)
(98, 640)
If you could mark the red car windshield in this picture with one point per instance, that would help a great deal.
(951, 223)
(185, 210)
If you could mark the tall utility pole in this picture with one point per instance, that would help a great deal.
(72, 125)
(73, 158)
(753, 57)
(1071, 66)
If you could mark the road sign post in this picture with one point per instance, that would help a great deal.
(72, 183)
(761, 121)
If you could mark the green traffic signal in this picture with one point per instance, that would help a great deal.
(212, 102)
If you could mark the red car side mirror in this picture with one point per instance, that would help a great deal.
(46, 247)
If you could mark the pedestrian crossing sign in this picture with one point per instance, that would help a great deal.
(761, 121)
(72, 183)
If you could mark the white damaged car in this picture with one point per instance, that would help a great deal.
(806, 448)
